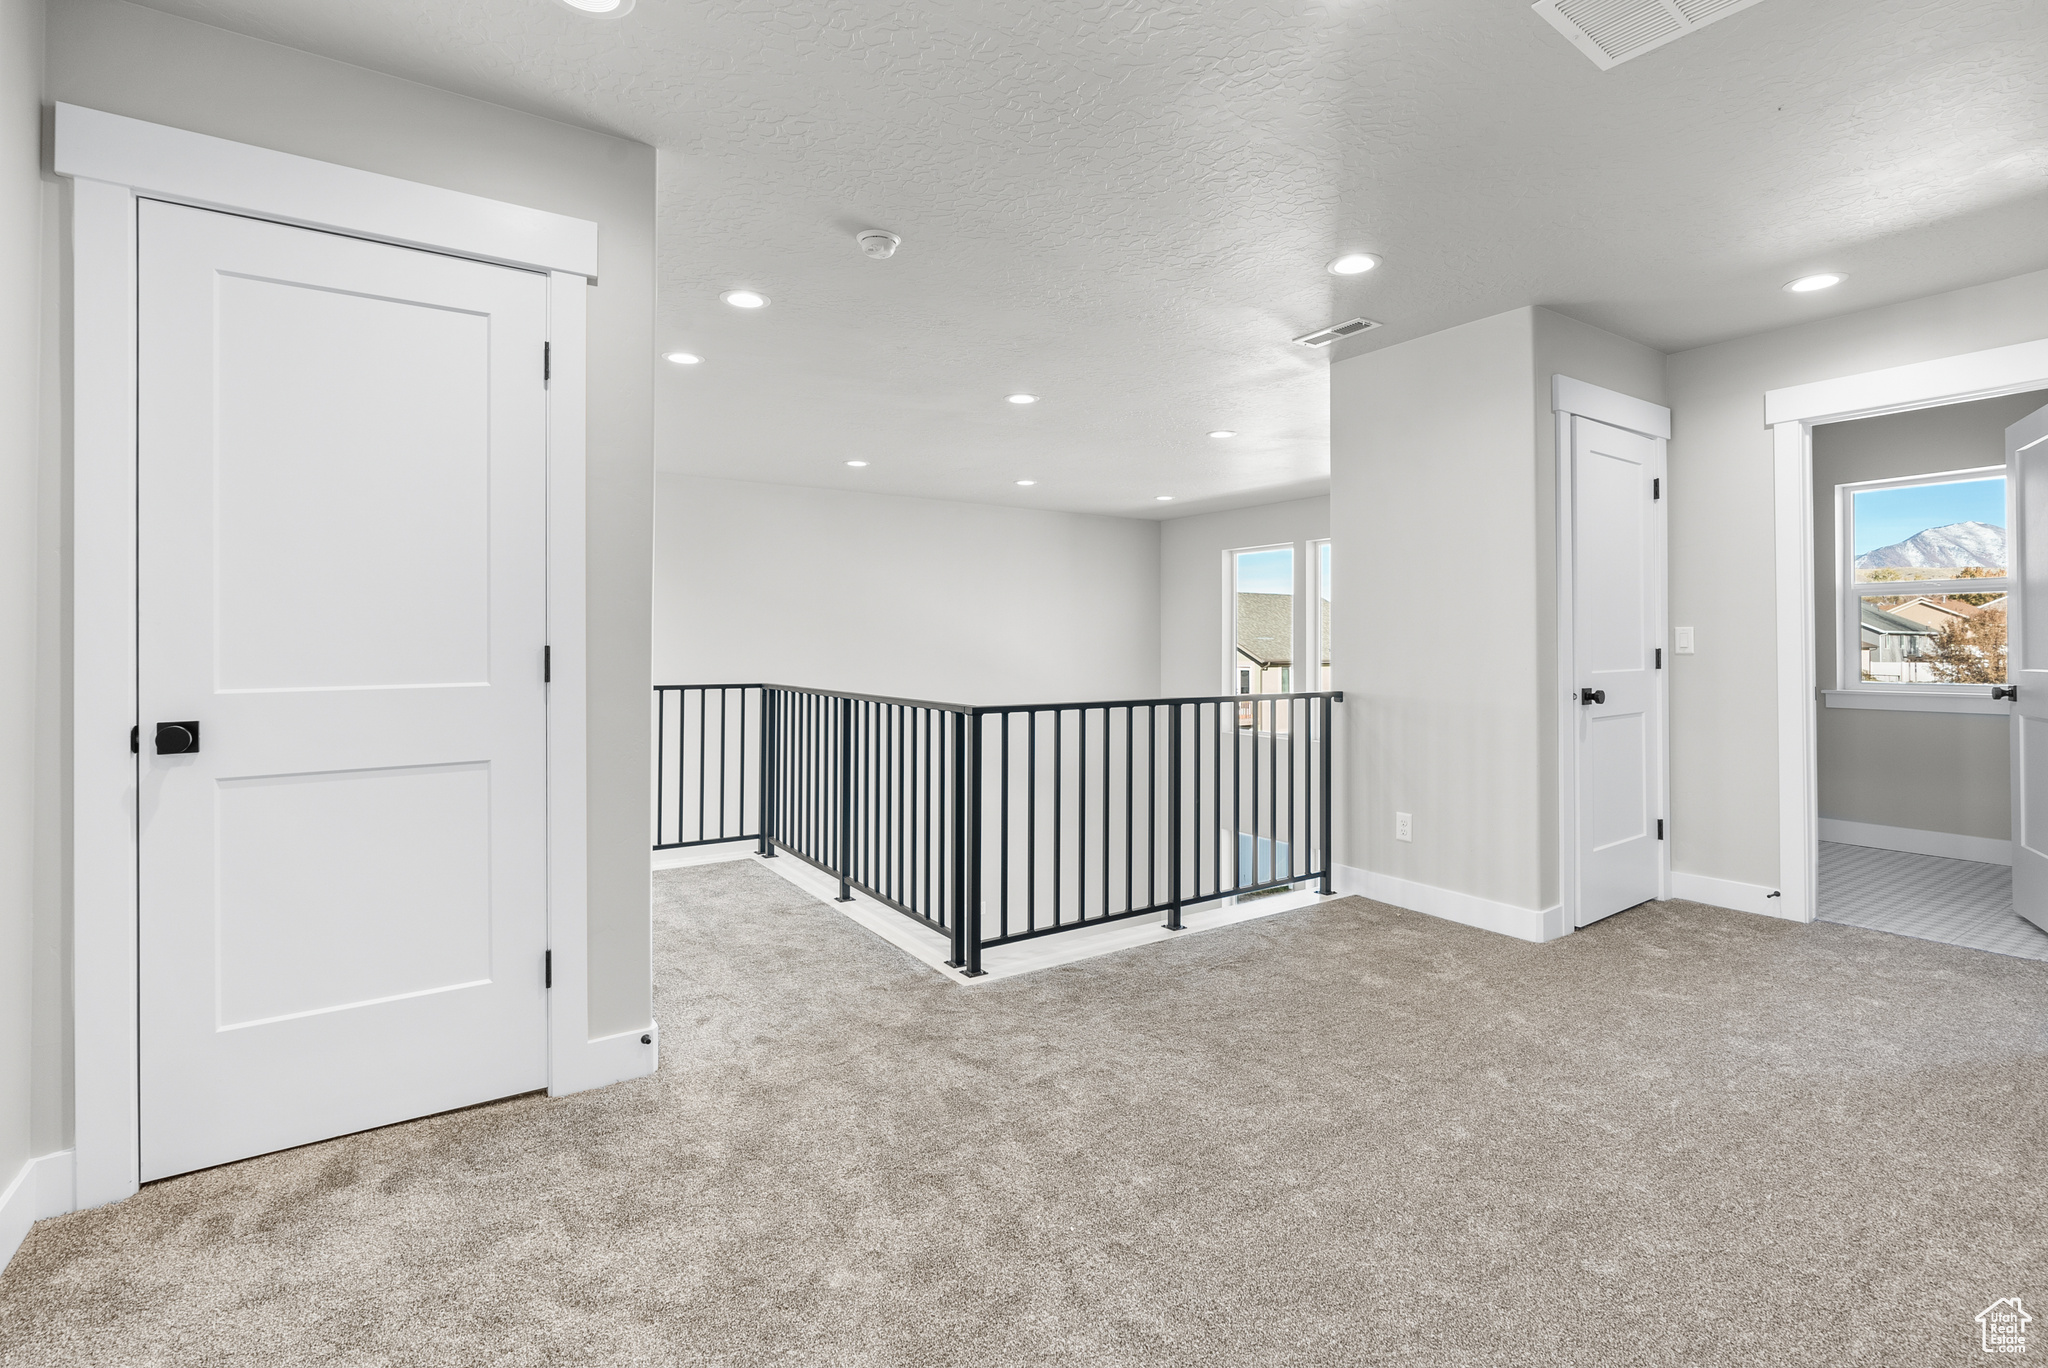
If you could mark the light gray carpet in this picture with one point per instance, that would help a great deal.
(1345, 1135)
(1956, 902)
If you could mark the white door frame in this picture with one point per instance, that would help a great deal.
(1570, 399)
(1791, 414)
(110, 163)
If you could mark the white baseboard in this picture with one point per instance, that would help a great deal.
(608, 1060)
(1738, 897)
(1983, 849)
(700, 855)
(41, 1190)
(1523, 923)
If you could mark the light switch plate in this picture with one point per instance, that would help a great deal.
(1683, 643)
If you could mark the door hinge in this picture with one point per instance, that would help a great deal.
(1660, 657)
(547, 968)
(1657, 489)
(547, 664)
(1660, 828)
(135, 740)
(547, 362)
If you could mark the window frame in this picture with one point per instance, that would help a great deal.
(1850, 592)
(1312, 635)
(1230, 656)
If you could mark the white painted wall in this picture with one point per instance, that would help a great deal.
(1444, 621)
(105, 54)
(1194, 615)
(916, 598)
(1724, 725)
(1947, 772)
(21, 214)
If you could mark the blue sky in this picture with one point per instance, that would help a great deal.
(1266, 572)
(1886, 516)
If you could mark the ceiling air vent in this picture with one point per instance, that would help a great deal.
(1612, 31)
(1336, 332)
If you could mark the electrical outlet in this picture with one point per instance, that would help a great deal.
(1404, 827)
(1683, 644)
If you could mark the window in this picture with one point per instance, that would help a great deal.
(1320, 559)
(1922, 567)
(1262, 624)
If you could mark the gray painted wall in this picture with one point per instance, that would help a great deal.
(1724, 769)
(1443, 482)
(21, 214)
(1928, 771)
(119, 57)
(1565, 346)
(1432, 498)
(1193, 616)
(916, 598)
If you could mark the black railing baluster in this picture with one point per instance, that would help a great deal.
(846, 800)
(1328, 862)
(1003, 826)
(1175, 817)
(890, 798)
(1058, 827)
(1130, 798)
(1031, 824)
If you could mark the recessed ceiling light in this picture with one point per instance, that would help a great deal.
(1353, 263)
(1165, 498)
(1808, 284)
(600, 6)
(1027, 482)
(1023, 398)
(1222, 433)
(856, 464)
(745, 299)
(684, 358)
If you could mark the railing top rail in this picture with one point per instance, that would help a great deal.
(993, 709)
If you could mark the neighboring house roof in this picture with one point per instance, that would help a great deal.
(1265, 628)
(1878, 620)
(1934, 612)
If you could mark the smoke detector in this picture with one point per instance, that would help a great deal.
(1336, 332)
(878, 244)
(1612, 31)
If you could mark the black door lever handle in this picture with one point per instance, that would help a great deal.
(177, 738)
(1588, 697)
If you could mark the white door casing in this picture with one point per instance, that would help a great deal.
(2026, 493)
(1791, 414)
(109, 162)
(341, 559)
(1617, 641)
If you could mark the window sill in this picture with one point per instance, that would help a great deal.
(1888, 701)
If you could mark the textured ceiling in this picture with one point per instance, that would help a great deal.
(1126, 208)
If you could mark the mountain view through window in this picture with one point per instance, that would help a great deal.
(1926, 544)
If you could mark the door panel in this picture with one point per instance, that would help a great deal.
(2026, 493)
(341, 575)
(391, 585)
(1617, 628)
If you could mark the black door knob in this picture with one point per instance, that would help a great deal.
(177, 738)
(2011, 691)
(1588, 697)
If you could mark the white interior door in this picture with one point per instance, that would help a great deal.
(2026, 492)
(341, 564)
(1617, 653)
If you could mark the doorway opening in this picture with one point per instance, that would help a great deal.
(1911, 591)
